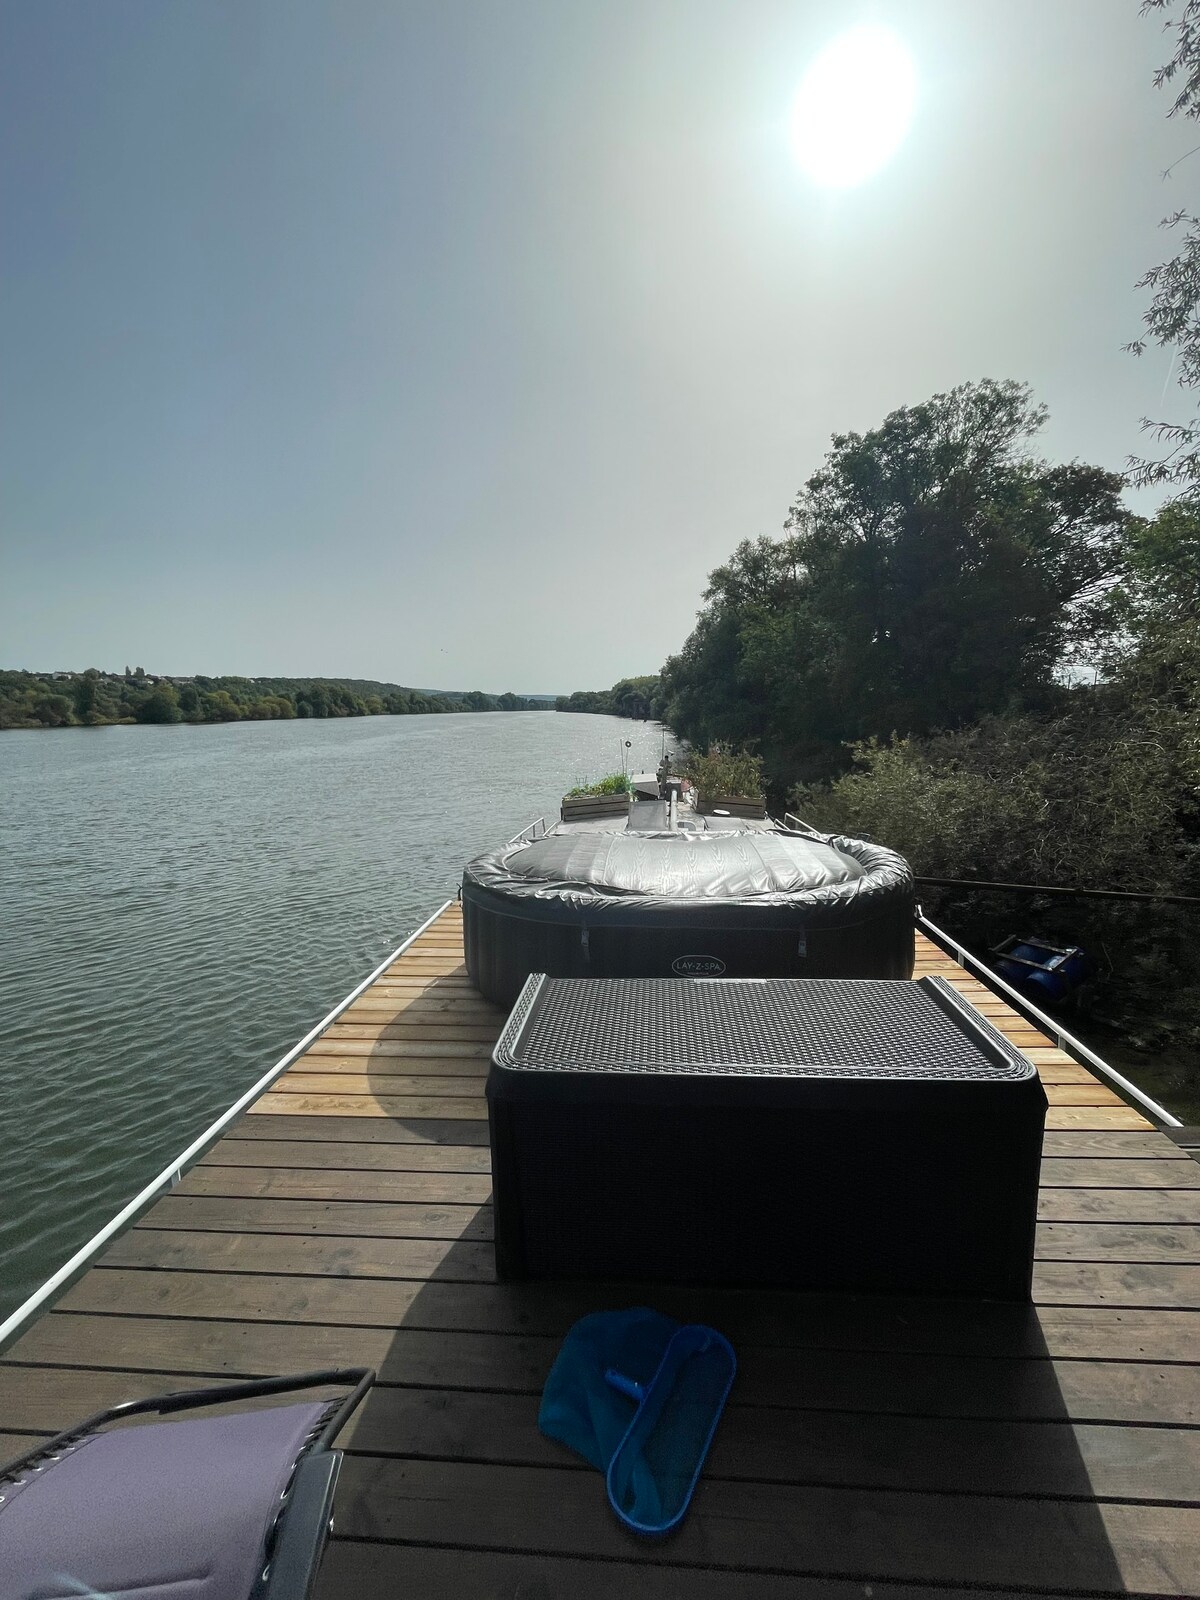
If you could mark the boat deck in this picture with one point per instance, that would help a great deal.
(895, 1449)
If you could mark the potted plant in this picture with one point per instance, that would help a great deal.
(605, 798)
(727, 780)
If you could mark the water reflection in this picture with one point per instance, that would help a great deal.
(181, 904)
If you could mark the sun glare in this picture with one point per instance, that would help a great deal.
(853, 107)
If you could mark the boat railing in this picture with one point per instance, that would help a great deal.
(1066, 1042)
(798, 825)
(531, 831)
(172, 1173)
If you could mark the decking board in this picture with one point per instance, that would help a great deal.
(916, 1447)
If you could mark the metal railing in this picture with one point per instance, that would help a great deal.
(530, 832)
(170, 1175)
(798, 825)
(1067, 1042)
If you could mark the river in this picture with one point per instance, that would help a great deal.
(178, 905)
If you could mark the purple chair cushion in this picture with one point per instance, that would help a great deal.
(166, 1511)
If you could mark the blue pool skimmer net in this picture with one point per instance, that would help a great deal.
(639, 1396)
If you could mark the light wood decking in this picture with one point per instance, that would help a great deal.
(887, 1448)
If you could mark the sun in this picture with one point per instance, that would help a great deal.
(853, 107)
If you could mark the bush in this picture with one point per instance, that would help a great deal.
(1104, 797)
(615, 783)
(721, 774)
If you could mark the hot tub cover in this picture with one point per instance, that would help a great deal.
(615, 872)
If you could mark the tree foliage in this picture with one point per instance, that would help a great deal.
(637, 698)
(1102, 792)
(721, 774)
(932, 572)
(1172, 319)
(94, 699)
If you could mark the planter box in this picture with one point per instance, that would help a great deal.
(586, 807)
(737, 805)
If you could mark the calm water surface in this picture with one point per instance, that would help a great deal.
(179, 905)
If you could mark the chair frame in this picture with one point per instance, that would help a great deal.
(296, 1538)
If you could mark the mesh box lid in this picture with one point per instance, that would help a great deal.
(685, 1033)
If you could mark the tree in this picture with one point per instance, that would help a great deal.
(1172, 319)
(85, 695)
(1162, 556)
(219, 706)
(52, 710)
(931, 572)
(160, 705)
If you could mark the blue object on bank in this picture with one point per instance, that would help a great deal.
(639, 1396)
(1053, 969)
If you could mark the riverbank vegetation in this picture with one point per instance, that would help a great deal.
(101, 699)
(637, 698)
(985, 660)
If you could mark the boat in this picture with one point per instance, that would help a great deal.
(337, 1215)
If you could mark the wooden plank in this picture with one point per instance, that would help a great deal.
(449, 942)
(932, 1538)
(354, 1569)
(1058, 1070)
(453, 1260)
(756, 1445)
(426, 1002)
(428, 1028)
(291, 1159)
(1120, 1205)
(1075, 1094)
(1104, 1283)
(752, 1444)
(16, 1444)
(411, 983)
(358, 1130)
(442, 958)
(374, 1042)
(471, 1068)
(328, 1105)
(391, 1186)
(1096, 1241)
(1095, 1118)
(1136, 1283)
(385, 1219)
(275, 1101)
(879, 1382)
(407, 1006)
(300, 1080)
(1134, 1173)
(1115, 1145)
(456, 1086)
(790, 1322)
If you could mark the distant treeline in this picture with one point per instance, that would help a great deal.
(95, 699)
(639, 698)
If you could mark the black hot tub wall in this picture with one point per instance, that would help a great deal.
(845, 913)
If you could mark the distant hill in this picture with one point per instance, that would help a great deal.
(97, 699)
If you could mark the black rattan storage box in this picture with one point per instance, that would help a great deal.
(834, 1134)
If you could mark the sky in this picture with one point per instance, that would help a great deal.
(454, 343)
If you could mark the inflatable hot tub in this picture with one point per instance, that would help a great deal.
(719, 904)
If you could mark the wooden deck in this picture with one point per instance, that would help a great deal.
(892, 1449)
